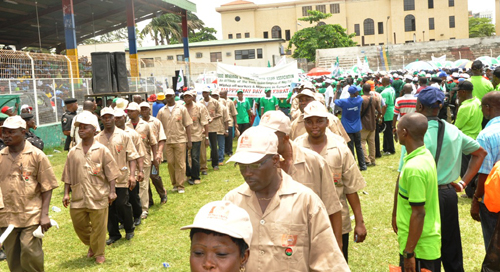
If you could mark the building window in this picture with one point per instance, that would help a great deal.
(215, 56)
(229, 36)
(228, 54)
(147, 63)
(431, 23)
(409, 4)
(287, 35)
(305, 9)
(452, 21)
(288, 52)
(452, 38)
(431, 40)
(451, 3)
(321, 8)
(199, 55)
(170, 57)
(369, 27)
(247, 35)
(276, 32)
(237, 18)
(244, 54)
(321, 23)
(380, 28)
(266, 34)
(356, 29)
(409, 23)
(180, 57)
(259, 53)
(238, 35)
(334, 8)
(430, 4)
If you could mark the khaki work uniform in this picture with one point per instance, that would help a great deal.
(295, 222)
(22, 181)
(221, 124)
(159, 132)
(123, 150)
(148, 140)
(89, 176)
(134, 197)
(345, 172)
(215, 112)
(175, 123)
(294, 109)
(203, 148)
(200, 119)
(311, 170)
(298, 127)
(231, 108)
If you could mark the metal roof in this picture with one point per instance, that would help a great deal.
(19, 19)
(209, 44)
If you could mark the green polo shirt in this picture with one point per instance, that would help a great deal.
(398, 86)
(470, 117)
(282, 101)
(418, 187)
(455, 143)
(389, 96)
(268, 103)
(242, 108)
(481, 85)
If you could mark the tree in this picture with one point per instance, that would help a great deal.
(119, 35)
(205, 34)
(480, 27)
(307, 40)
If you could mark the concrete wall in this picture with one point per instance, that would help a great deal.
(51, 135)
(402, 54)
(86, 50)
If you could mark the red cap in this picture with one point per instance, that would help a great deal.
(152, 98)
(5, 109)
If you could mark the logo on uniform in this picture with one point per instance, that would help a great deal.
(26, 175)
(119, 148)
(288, 240)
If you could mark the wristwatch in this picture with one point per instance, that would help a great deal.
(206, 138)
(408, 255)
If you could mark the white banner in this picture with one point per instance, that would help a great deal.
(254, 80)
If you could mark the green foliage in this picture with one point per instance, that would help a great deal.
(480, 27)
(119, 35)
(307, 40)
(204, 34)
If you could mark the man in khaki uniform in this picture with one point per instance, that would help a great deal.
(204, 144)
(134, 198)
(215, 111)
(306, 167)
(26, 183)
(177, 124)
(90, 174)
(121, 147)
(228, 146)
(222, 127)
(150, 143)
(292, 231)
(298, 128)
(158, 131)
(346, 175)
(199, 134)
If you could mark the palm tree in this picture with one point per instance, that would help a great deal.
(169, 26)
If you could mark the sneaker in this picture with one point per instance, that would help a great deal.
(144, 215)
(204, 173)
(129, 235)
(164, 199)
(387, 153)
(197, 181)
(191, 182)
(137, 221)
(174, 189)
(180, 191)
(216, 168)
(99, 259)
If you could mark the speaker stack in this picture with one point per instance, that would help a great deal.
(109, 72)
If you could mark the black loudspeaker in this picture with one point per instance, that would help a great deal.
(102, 77)
(174, 81)
(121, 72)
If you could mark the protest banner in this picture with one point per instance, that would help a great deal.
(254, 80)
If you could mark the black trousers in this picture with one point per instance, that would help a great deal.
(67, 143)
(243, 127)
(193, 171)
(377, 142)
(355, 143)
(158, 184)
(471, 187)
(451, 243)
(345, 246)
(388, 138)
(135, 201)
(228, 147)
(432, 265)
(120, 207)
(214, 155)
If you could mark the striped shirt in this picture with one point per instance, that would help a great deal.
(405, 104)
(489, 139)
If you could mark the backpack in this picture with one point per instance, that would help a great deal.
(492, 189)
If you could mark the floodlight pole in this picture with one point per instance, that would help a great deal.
(132, 41)
(70, 37)
(185, 41)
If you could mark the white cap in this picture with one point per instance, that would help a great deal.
(408, 77)
(277, 121)
(14, 122)
(307, 92)
(254, 144)
(107, 110)
(119, 112)
(215, 92)
(226, 218)
(315, 108)
(169, 92)
(308, 85)
(133, 106)
(144, 105)
(86, 117)
(121, 104)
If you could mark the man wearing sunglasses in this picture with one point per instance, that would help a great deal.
(290, 222)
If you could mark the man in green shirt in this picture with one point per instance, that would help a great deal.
(418, 222)
(389, 95)
(397, 84)
(244, 110)
(268, 102)
(482, 86)
(469, 115)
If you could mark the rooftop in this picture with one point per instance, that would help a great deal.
(238, 2)
(209, 43)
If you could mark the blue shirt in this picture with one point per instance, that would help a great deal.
(156, 107)
(351, 113)
(489, 139)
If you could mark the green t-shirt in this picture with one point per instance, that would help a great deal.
(268, 103)
(398, 86)
(481, 85)
(379, 89)
(389, 95)
(470, 117)
(242, 108)
(282, 101)
(417, 187)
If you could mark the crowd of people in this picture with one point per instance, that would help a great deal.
(302, 166)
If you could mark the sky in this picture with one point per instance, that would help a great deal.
(207, 13)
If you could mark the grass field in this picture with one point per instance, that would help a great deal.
(158, 239)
